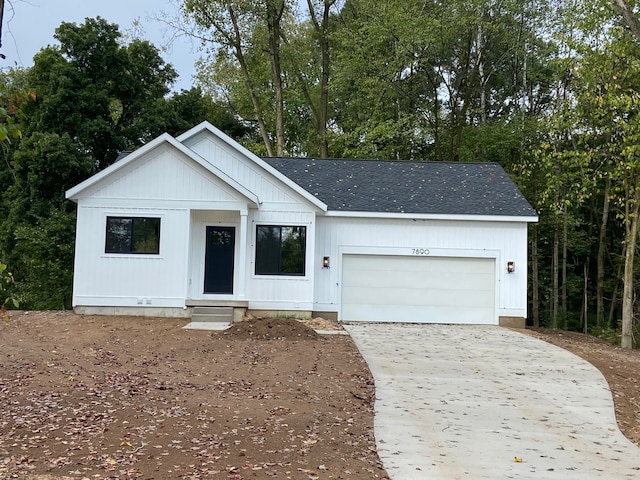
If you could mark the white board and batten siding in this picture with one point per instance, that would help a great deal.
(272, 192)
(164, 185)
(103, 279)
(436, 271)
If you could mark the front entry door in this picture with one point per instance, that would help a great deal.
(218, 260)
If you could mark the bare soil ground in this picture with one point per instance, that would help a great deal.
(88, 397)
(96, 398)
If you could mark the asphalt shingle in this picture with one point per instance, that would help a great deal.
(448, 188)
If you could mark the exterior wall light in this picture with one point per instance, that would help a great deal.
(511, 267)
(326, 262)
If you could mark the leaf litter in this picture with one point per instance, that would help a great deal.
(93, 398)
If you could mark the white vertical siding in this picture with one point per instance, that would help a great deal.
(103, 279)
(281, 292)
(262, 291)
(246, 172)
(503, 241)
(165, 174)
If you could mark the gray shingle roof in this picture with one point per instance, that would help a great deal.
(446, 188)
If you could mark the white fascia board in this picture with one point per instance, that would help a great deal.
(254, 158)
(430, 216)
(74, 192)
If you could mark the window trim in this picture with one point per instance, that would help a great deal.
(132, 252)
(280, 274)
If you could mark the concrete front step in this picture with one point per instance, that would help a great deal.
(212, 314)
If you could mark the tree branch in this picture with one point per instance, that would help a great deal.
(623, 8)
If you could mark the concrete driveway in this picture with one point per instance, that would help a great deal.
(483, 402)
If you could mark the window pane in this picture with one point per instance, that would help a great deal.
(293, 247)
(280, 250)
(267, 250)
(132, 235)
(146, 235)
(118, 235)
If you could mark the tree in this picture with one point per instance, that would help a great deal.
(6, 280)
(229, 24)
(182, 110)
(629, 17)
(95, 97)
(96, 90)
(38, 230)
(419, 79)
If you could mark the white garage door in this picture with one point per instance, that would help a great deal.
(418, 289)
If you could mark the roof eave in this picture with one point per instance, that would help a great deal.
(435, 216)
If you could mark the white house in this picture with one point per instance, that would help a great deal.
(198, 220)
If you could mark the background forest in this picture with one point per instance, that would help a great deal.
(549, 89)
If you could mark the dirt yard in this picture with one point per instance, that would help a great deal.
(96, 398)
(123, 398)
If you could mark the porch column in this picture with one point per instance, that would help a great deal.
(242, 260)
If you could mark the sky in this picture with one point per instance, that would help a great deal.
(29, 26)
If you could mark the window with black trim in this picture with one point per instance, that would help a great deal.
(137, 235)
(280, 250)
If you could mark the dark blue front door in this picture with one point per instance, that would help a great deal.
(218, 260)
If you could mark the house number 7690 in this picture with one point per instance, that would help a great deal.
(420, 251)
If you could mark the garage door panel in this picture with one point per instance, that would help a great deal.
(419, 297)
(418, 289)
(424, 279)
(453, 315)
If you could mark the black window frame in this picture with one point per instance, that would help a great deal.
(274, 264)
(134, 239)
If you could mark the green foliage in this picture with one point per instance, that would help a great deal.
(45, 249)
(182, 111)
(95, 97)
(37, 231)
(6, 282)
(97, 91)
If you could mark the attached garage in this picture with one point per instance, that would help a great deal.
(420, 289)
(354, 240)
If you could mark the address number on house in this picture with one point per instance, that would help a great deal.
(420, 251)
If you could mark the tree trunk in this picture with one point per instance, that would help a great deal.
(555, 274)
(622, 7)
(585, 297)
(632, 209)
(323, 108)
(236, 41)
(616, 290)
(602, 245)
(1, 19)
(564, 270)
(321, 112)
(535, 281)
(482, 81)
(275, 9)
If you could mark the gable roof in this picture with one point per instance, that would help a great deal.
(438, 188)
(207, 128)
(126, 159)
